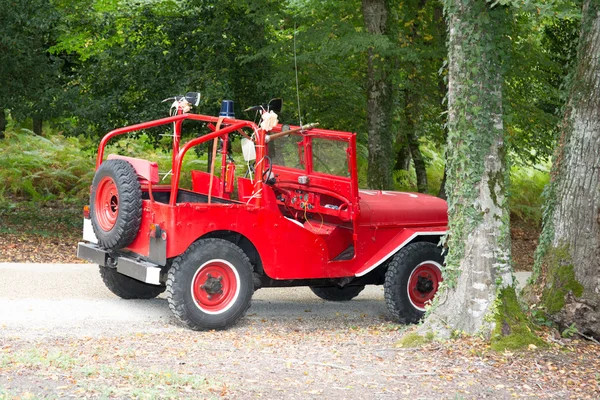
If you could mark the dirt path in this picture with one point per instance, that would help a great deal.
(64, 335)
(267, 359)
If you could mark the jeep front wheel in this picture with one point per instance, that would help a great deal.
(210, 285)
(412, 280)
(334, 293)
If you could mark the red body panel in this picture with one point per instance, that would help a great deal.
(201, 180)
(381, 209)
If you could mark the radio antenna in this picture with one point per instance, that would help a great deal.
(297, 85)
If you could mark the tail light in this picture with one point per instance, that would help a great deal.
(86, 212)
(157, 232)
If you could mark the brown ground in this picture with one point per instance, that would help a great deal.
(278, 361)
(40, 235)
(50, 235)
(524, 240)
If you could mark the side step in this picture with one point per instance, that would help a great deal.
(144, 271)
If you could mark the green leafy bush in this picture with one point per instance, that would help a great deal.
(526, 188)
(42, 169)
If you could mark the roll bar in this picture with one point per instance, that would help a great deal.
(232, 125)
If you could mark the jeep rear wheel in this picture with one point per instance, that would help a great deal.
(412, 280)
(116, 204)
(210, 285)
(335, 293)
(128, 288)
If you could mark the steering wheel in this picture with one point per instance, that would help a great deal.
(342, 212)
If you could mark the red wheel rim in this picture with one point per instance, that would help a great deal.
(107, 203)
(215, 286)
(423, 283)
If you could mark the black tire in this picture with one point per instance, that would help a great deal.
(128, 288)
(202, 301)
(407, 304)
(335, 293)
(116, 206)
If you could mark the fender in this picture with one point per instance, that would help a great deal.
(399, 241)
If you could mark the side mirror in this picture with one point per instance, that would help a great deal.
(275, 105)
(193, 98)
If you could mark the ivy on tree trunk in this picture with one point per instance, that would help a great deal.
(478, 288)
(567, 265)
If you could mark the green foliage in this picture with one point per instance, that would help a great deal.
(512, 330)
(30, 76)
(527, 184)
(331, 45)
(570, 331)
(43, 169)
(406, 181)
(129, 57)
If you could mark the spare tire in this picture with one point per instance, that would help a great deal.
(116, 204)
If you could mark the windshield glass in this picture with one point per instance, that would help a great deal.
(329, 156)
(285, 151)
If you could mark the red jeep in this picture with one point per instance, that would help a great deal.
(297, 219)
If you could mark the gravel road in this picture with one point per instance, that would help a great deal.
(71, 300)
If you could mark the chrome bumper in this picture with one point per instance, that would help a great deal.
(144, 271)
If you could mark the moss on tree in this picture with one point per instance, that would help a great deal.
(560, 279)
(513, 329)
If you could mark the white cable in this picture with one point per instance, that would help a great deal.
(167, 174)
(254, 195)
(250, 172)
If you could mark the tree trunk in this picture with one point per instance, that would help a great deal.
(379, 101)
(568, 257)
(419, 162)
(411, 140)
(403, 155)
(478, 268)
(37, 125)
(3, 123)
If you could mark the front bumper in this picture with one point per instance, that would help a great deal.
(141, 270)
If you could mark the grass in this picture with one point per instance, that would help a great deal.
(85, 375)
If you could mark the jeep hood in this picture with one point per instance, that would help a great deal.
(389, 209)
